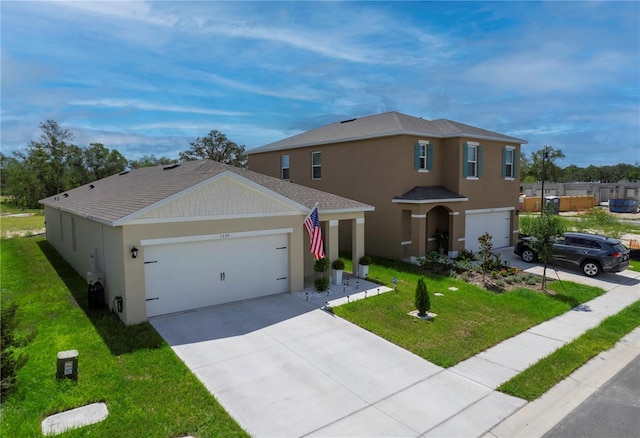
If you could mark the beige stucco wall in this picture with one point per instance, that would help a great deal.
(92, 238)
(376, 170)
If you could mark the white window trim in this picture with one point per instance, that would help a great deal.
(473, 144)
(513, 157)
(282, 168)
(425, 145)
(316, 165)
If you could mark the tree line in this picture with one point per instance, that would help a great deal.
(531, 170)
(53, 163)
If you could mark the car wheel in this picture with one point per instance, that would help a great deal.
(528, 256)
(590, 268)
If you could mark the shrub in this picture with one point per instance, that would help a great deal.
(321, 284)
(365, 260)
(465, 254)
(485, 253)
(338, 265)
(321, 265)
(423, 303)
(9, 361)
(511, 279)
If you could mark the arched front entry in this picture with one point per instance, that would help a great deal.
(439, 229)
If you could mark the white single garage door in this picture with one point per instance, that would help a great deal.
(496, 223)
(190, 275)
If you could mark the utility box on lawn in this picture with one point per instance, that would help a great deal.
(67, 366)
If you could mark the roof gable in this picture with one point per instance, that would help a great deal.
(224, 196)
(383, 125)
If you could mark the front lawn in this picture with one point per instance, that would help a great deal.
(547, 372)
(147, 389)
(470, 319)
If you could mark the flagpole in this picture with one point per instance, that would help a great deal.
(305, 219)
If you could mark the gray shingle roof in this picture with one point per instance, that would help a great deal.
(429, 193)
(113, 198)
(383, 125)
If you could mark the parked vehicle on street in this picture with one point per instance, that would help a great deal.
(591, 253)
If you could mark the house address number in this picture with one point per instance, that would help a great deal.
(225, 235)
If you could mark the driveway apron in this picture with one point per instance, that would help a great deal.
(283, 367)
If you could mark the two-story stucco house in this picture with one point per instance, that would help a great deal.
(421, 176)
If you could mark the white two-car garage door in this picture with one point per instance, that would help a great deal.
(496, 223)
(189, 275)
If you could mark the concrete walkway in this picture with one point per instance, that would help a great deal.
(283, 367)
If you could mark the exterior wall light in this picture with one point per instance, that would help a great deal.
(134, 252)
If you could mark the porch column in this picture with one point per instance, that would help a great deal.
(357, 242)
(296, 260)
(456, 234)
(419, 234)
(331, 240)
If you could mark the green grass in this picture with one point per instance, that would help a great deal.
(7, 207)
(469, 319)
(27, 225)
(147, 389)
(12, 226)
(543, 375)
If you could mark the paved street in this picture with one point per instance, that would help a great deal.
(613, 411)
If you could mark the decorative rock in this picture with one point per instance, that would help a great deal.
(83, 416)
(453, 288)
(438, 294)
(426, 317)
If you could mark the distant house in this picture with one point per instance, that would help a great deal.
(173, 238)
(422, 176)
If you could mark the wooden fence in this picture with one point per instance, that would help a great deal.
(567, 203)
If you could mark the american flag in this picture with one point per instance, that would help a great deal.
(312, 224)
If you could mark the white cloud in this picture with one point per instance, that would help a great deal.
(124, 103)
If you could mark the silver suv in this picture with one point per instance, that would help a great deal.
(591, 253)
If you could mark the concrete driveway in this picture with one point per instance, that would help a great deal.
(284, 368)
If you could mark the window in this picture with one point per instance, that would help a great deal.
(472, 160)
(423, 156)
(316, 165)
(509, 162)
(73, 234)
(284, 164)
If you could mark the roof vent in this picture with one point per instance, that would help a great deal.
(124, 173)
(171, 167)
(66, 195)
(91, 187)
(347, 121)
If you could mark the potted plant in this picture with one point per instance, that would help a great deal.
(442, 237)
(363, 266)
(336, 271)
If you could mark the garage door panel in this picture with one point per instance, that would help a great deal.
(184, 276)
(497, 223)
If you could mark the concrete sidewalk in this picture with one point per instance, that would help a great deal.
(281, 366)
(541, 415)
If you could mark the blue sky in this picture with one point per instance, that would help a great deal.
(149, 77)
